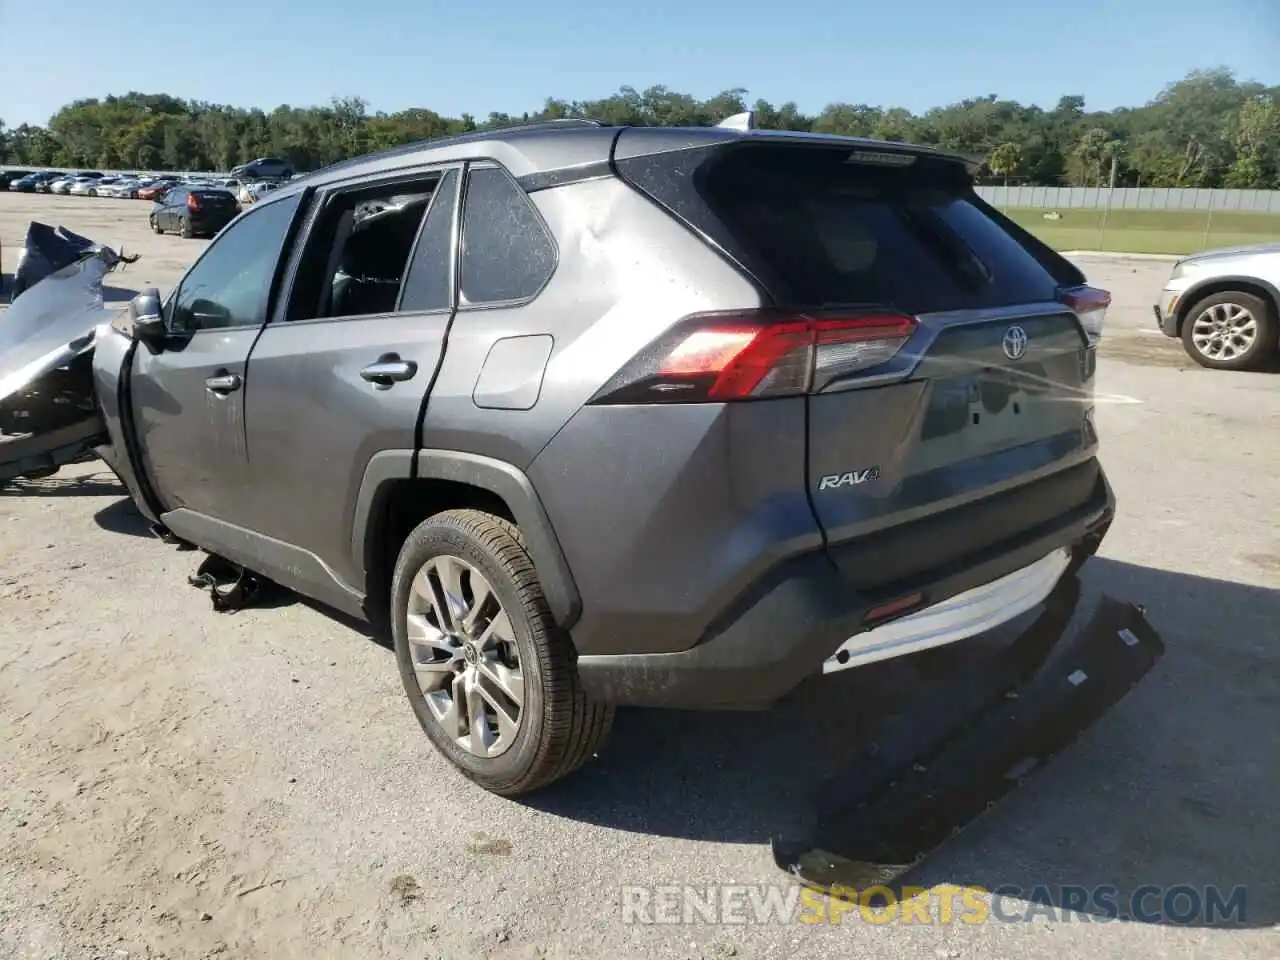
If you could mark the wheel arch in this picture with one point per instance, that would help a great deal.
(445, 479)
(1263, 289)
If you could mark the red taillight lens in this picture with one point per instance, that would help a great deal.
(193, 202)
(1090, 305)
(756, 354)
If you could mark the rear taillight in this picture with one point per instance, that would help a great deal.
(754, 354)
(193, 202)
(1090, 305)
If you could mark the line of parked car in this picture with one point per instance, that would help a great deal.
(187, 205)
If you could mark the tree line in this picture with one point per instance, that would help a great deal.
(1206, 130)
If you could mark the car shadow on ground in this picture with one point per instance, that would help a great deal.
(1173, 786)
(123, 517)
(101, 484)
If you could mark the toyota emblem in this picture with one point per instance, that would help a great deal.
(1015, 342)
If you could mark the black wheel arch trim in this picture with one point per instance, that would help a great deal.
(497, 477)
(1220, 284)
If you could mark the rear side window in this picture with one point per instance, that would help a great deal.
(507, 253)
(820, 229)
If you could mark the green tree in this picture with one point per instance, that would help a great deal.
(1207, 129)
(1005, 160)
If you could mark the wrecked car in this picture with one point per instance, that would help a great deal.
(48, 412)
(590, 416)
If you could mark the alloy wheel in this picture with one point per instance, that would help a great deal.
(465, 656)
(1224, 331)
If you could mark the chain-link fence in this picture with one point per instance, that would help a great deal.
(1141, 220)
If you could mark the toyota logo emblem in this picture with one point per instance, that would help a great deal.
(1015, 343)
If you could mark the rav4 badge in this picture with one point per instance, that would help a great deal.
(852, 478)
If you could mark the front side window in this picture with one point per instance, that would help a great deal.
(230, 283)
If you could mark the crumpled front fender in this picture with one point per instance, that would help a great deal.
(48, 413)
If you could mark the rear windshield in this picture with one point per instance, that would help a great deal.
(820, 229)
(213, 194)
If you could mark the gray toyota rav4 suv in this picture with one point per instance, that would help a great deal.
(596, 415)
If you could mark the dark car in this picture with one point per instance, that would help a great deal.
(9, 176)
(264, 168)
(33, 182)
(598, 415)
(194, 211)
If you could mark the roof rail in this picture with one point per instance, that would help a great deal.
(555, 122)
(469, 136)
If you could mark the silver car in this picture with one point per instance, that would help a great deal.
(1225, 306)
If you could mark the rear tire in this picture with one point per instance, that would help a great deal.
(184, 229)
(448, 673)
(155, 224)
(1230, 330)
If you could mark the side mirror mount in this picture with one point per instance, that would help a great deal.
(146, 316)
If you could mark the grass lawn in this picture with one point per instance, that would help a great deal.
(1148, 231)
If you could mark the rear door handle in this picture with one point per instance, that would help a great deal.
(389, 370)
(223, 383)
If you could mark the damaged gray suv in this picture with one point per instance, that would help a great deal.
(599, 415)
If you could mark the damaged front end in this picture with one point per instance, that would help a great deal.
(48, 412)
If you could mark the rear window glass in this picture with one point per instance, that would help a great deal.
(835, 232)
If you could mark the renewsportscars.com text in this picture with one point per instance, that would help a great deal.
(1181, 904)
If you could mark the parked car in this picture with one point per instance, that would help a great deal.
(123, 189)
(156, 189)
(92, 186)
(47, 177)
(254, 190)
(263, 168)
(32, 182)
(9, 176)
(1225, 306)
(62, 185)
(596, 416)
(193, 211)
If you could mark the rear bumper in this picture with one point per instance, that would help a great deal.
(796, 621)
(210, 222)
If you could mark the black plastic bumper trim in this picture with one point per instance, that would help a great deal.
(801, 613)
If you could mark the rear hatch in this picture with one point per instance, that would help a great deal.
(950, 401)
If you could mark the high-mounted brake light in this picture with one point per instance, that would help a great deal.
(1090, 305)
(754, 354)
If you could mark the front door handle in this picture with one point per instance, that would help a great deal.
(223, 383)
(389, 370)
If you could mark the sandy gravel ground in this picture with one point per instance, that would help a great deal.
(178, 783)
